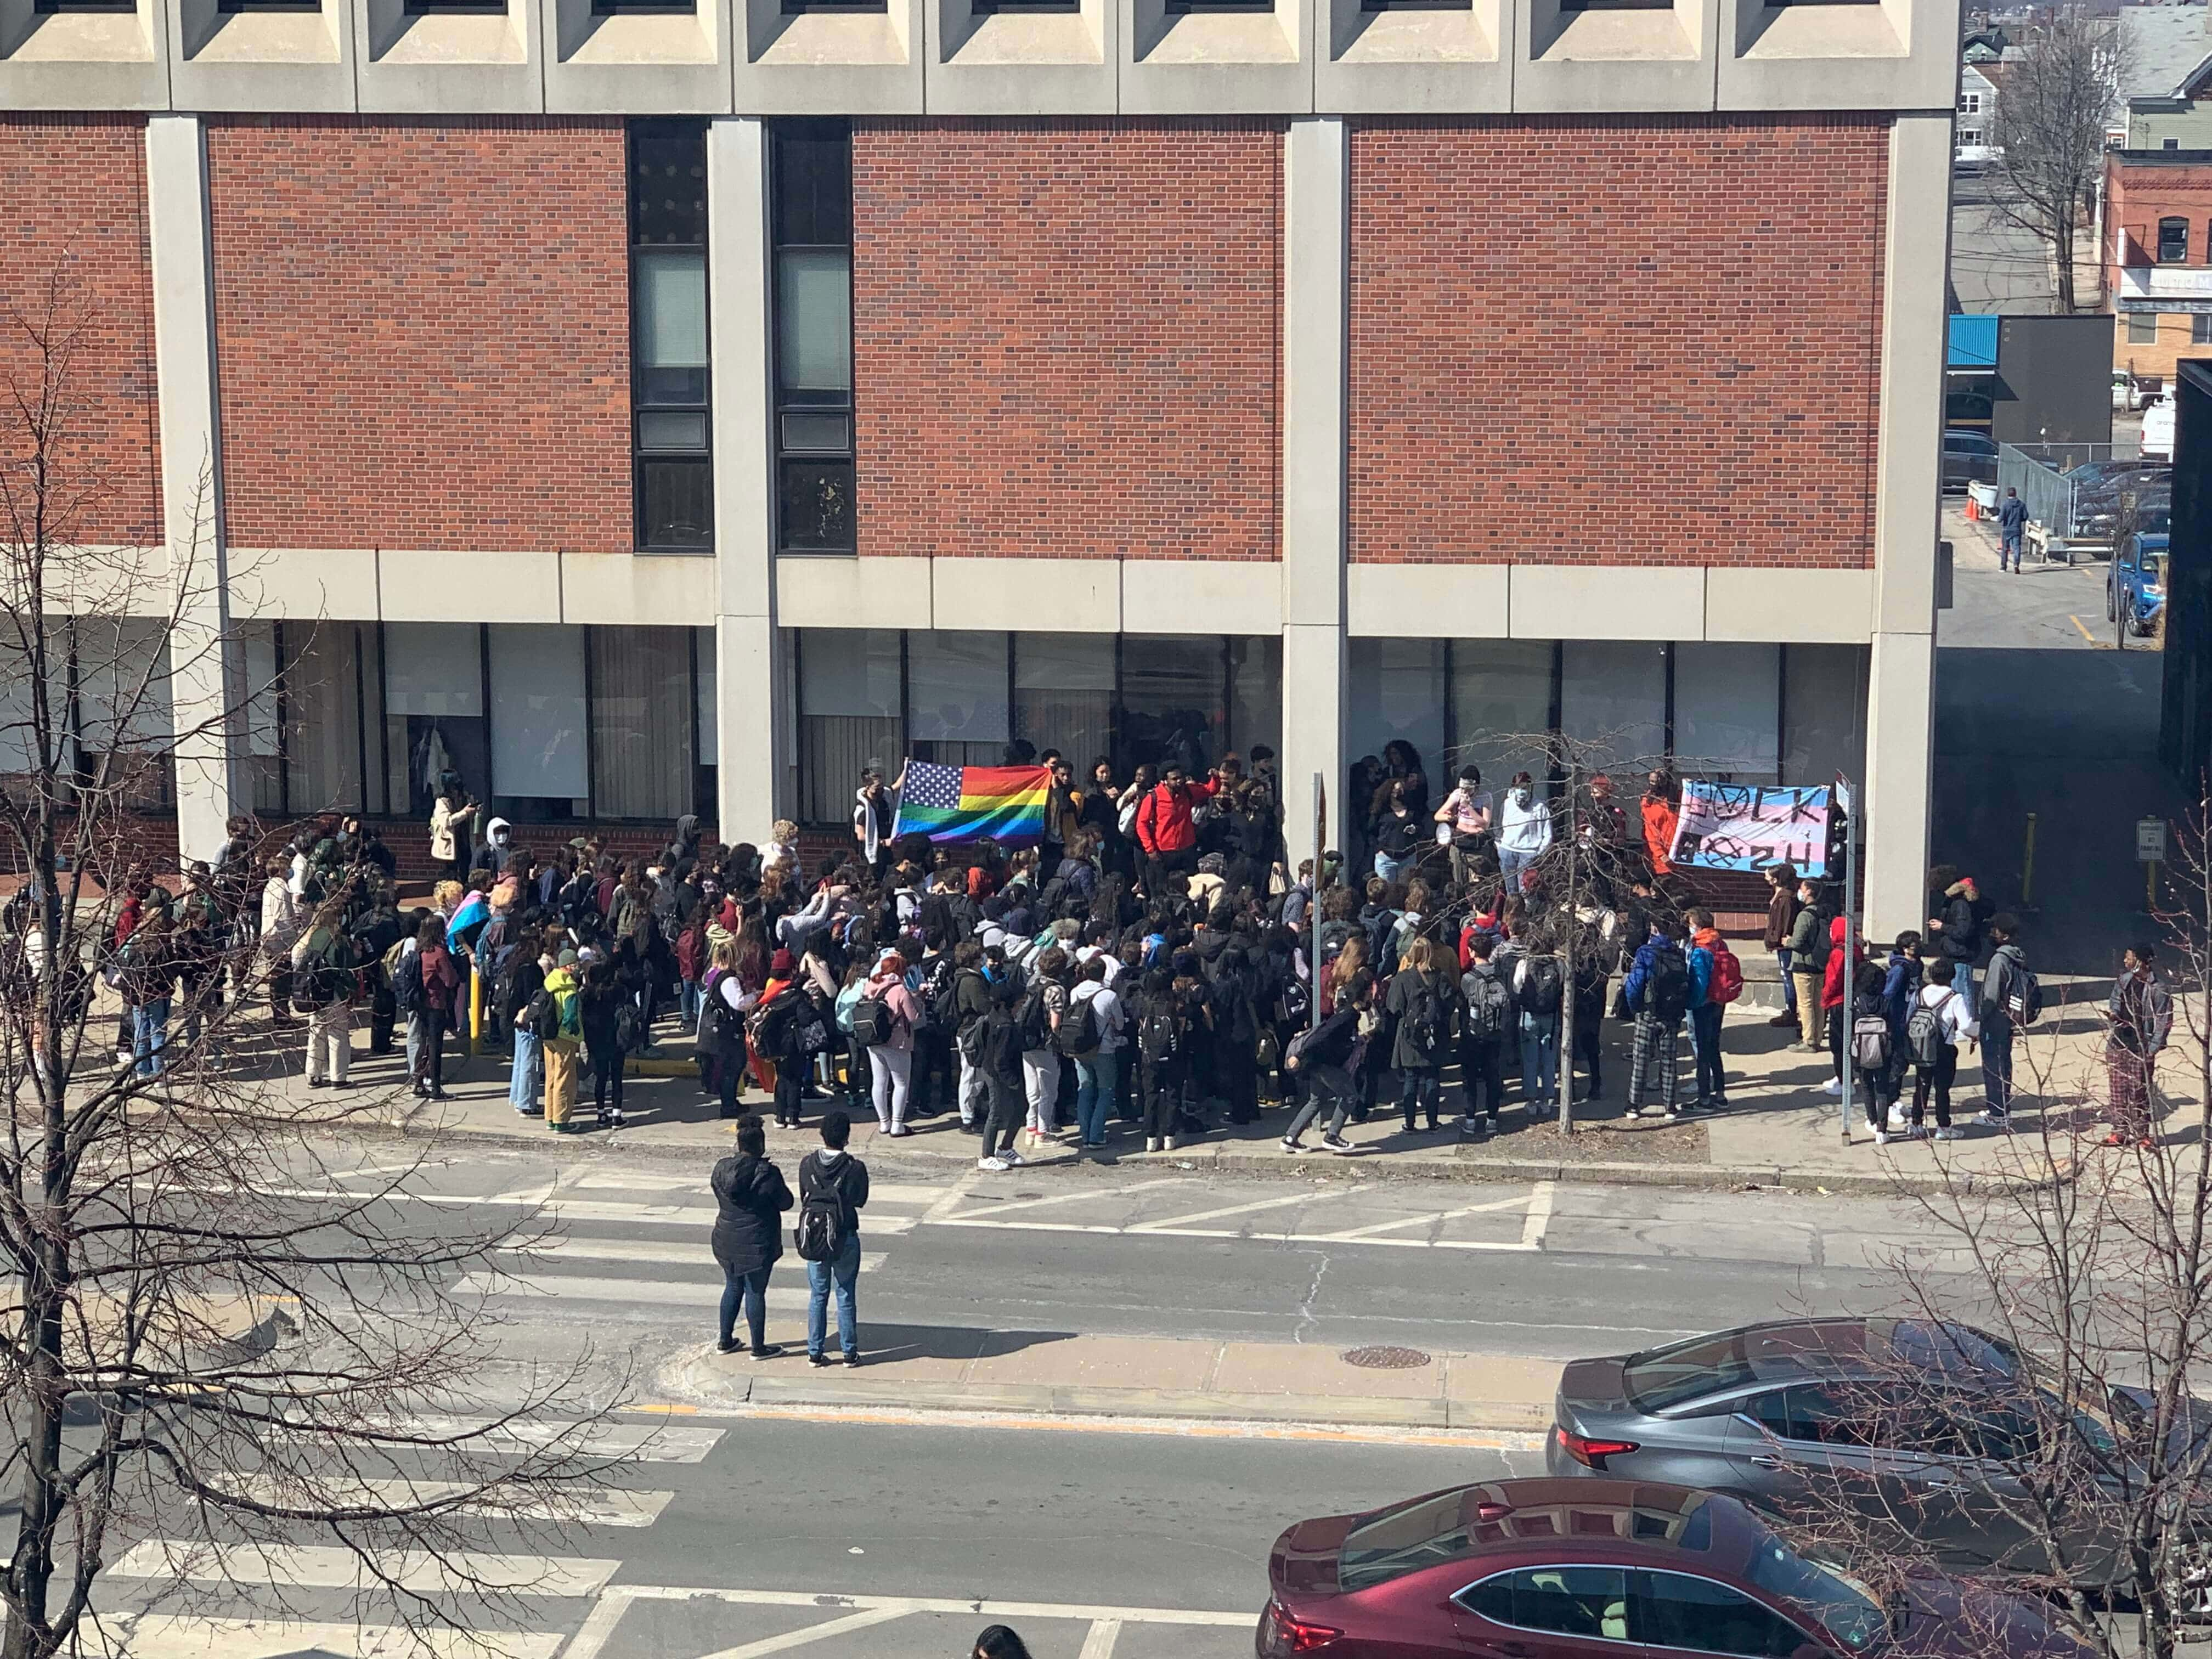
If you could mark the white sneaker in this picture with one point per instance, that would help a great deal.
(1835, 1089)
(1897, 1118)
(995, 1165)
(1011, 1157)
(1950, 1134)
(1881, 1137)
(1992, 1121)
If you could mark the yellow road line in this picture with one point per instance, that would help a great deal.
(2086, 634)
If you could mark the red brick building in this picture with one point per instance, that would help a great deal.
(671, 415)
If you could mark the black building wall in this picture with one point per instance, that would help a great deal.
(2186, 720)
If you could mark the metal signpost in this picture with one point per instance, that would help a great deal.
(1845, 803)
(2150, 853)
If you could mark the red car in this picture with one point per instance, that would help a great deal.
(1580, 1569)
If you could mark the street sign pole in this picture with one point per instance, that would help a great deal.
(1847, 797)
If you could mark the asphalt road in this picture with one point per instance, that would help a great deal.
(736, 1537)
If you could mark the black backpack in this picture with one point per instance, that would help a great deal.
(1159, 1033)
(872, 1022)
(729, 1023)
(1540, 994)
(629, 1027)
(1667, 993)
(1078, 1027)
(541, 1015)
(820, 1231)
(407, 983)
(1031, 1020)
(1423, 1013)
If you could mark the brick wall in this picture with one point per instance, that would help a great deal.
(423, 332)
(2139, 193)
(1066, 337)
(1638, 340)
(74, 263)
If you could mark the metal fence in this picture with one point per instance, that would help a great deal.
(2044, 476)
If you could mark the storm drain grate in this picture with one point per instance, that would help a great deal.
(1385, 1359)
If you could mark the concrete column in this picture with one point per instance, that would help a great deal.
(752, 764)
(1901, 683)
(207, 676)
(1316, 251)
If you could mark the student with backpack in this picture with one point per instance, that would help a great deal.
(1657, 992)
(435, 984)
(1325, 1057)
(722, 1026)
(1420, 997)
(322, 979)
(2012, 997)
(603, 1004)
(525, 1078)
(1938, 1019)
(883, 1018)
(1716, 980)
(1485, 1016)
(558, 1021)
(1902, 976)
(1038, 1014)
(833, 1190)
(1164, 1045)
(1539, 988)
(749, 1195)
(1871, 1049)
(1092, 1037)
(1838, 972)
(998, 1054)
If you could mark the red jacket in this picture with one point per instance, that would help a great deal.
(1164, 823)
(1832, 986)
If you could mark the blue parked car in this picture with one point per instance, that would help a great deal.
(2138, 582)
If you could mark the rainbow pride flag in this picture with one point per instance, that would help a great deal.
(971, 802)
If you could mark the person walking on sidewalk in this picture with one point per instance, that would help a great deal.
(883, 1019)
(439, 983)
(2005, 993)
(2012, 527)
(833, 1190)
(1326, 1060)
(998, 1054)
(323, 976)
(1659, 991)
(1958, 932)
(1485, 1016)
(1782, 909)
(1421, 998)
(1807, 953)
(750, 1196)
(2139, 1019)
(1716, 981)
(1098, 1066)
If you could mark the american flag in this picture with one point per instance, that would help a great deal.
(928, 785)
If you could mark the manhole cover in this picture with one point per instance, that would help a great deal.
(1385, 1359)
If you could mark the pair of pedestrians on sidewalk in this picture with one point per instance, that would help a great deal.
(750, 1199)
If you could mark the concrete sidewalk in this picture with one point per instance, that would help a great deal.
(1782, 1129)
(1030, 1374)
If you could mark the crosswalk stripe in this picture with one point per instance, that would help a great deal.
(879, 1192)
(607, 1442)
(180, 1636)
(582, 1506)
(327, 1566)
(1166, 1222)
(674, 1292)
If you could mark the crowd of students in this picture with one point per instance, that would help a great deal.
(1153, 962)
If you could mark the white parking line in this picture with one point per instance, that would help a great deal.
(669, 1292)
(184, 1636)
(1539, 1217)
(1178, 1222)
(583, 1506)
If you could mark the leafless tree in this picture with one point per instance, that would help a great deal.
(2054, 103)
(209, 1333)
(2028, 1408)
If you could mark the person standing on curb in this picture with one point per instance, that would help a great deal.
(1326, 1058)
(1781, 919)
(833, 1189)
(2005, 1000)
(1098, 1067)
(1485, 1016)
(563, 992)
(2139, 1019)
(1939, 1019)
(2012, 526)
(749, 1195)
(1659, 989)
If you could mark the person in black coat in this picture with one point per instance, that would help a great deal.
(750, 1196)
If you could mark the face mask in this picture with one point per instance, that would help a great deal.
(1520, 797)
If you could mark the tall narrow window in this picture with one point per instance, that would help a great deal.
(668, 319)
(2173, 241)
(813, 217)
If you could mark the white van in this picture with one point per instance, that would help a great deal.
(2158, 431)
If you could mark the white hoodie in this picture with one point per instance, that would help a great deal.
(1524, 828)
(1951, 1010)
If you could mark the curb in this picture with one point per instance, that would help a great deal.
(1237, 1159)
(711, 1382)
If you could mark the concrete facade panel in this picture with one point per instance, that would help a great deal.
(1069, 336)
(75, 249)
(416, 585)
(305, 583)
(1086, 594)
(1181, 596)
(1564, 602)
(814, 592)
(1428, 601)
(1710, 321)
(424, 332)
(1810, 607)
(643, 590)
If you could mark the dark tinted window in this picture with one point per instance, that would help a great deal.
(1678, 1611)
(1586, 1601)
(1675, 1375)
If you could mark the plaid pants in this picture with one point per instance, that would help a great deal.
(1654, 1044)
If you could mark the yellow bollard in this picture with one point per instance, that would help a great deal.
(2027, 864)
(475, 1011)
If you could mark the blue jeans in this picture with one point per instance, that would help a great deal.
(688, 1004)
(525, 1082)
(1706, 1047)
(1789, 984)
(1096, 1076)
(1418, 1091)
(1511, 864)
(1392, 869)
(752, 1289)
(841, 1271)
(2009, 548)
(150, 1035)
(1540, 1060)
